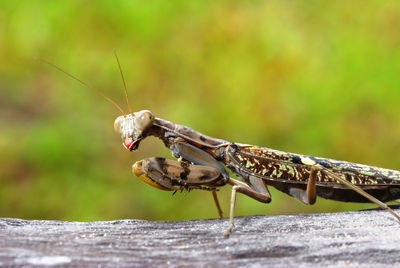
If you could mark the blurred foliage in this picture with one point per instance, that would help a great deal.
(312, 77)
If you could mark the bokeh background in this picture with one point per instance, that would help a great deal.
(311, 77)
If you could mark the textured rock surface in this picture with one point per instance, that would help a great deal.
(350, 239)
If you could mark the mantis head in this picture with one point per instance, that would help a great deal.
(132, 127)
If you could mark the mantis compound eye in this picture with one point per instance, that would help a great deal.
(118, 124)
(143, 120)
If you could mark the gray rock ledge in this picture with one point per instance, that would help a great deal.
(348, 239)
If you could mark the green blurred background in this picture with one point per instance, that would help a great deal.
(312, 77)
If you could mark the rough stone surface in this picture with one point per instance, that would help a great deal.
(350, 239)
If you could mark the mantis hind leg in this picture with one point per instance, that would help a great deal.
(315, 167)
(360, 191)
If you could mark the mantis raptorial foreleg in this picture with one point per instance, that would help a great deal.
(194, 170)
(170, 175)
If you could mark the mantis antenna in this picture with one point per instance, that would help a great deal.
(123, 81)
(85, 84)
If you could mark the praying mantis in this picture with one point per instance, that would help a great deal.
(202, 163)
